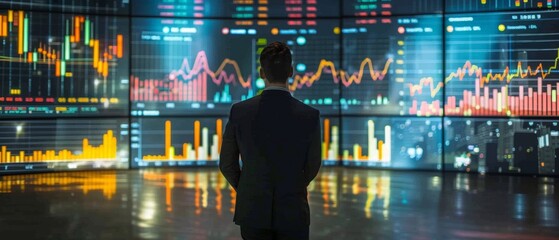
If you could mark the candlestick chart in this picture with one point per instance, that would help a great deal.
(58, 64)
(392, 142)
(107, 7)
(502, 145)
(513, 72)
(499, 5)
(394, 73)
(64, 144)
(183, 68)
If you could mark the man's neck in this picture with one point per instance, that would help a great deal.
(281, 85)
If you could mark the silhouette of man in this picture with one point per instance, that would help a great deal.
(278, 139)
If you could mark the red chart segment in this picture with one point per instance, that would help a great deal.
(518, 79)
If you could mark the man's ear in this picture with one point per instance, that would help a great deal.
(262, 74)
(291, 71)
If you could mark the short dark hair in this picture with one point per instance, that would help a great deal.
(275, 60)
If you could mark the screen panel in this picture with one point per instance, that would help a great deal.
(288, 9)
(392, 142)
(157, 141)
(499, 5)
(397, 72)
(386, 8)
(63, 65)
(195, 67)
(63, 144)
(502, 64)
(521, 146)
(193, 141)
(106, 7)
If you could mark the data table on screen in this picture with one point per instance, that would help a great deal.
(502, 64)
(197, 67)
(63, 144)
(499, 5)
(287, 9)
(394, 73)
(63, 64)
(386, 8)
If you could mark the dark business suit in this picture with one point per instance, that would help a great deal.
(278, 138)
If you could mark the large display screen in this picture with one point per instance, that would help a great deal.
(397, 72)
(452, 85)
(193, 67)
(238, 9)
(502, 64)
(502, 145)
(106, 7)
(499, 5)
(64, 144)
(62, 64)
(392, 142)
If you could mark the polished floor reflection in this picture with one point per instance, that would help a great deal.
(345, 204)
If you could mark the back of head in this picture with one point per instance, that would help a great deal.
(275, 60)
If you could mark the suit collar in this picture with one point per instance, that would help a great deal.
(274, 92)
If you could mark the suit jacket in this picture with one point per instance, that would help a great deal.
(279, 141)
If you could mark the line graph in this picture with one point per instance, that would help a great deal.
(189, 83)
(340, 75)
(471, 70)
(174, 74)
(406, 61)
(434, 88)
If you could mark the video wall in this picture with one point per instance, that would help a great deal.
(453, 85)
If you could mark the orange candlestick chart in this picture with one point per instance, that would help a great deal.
(62, 59)
(63, 144)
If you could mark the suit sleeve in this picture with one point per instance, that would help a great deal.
(229, 156)
(314, 156)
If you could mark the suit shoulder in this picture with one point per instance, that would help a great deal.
(245, 105)
(306, 109)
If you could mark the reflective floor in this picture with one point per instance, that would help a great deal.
(345, 204)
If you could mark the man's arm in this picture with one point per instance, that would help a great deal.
(229, 156)
(314, 156)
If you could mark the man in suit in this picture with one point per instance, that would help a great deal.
(279, 142)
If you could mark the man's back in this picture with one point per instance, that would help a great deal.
(274, 133)
(278, 140)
